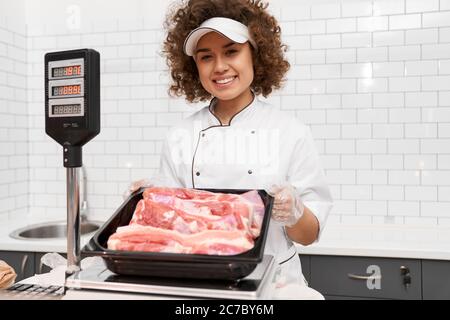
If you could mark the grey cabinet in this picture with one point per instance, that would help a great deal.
(40, 267)
(436, 279)
(366, 277)
(306, 269)
(21, 262)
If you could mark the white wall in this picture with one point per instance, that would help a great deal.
(372, 79)
(13, 110)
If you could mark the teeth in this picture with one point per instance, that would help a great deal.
(223, 81)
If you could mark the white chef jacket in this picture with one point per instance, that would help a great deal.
(260, 146)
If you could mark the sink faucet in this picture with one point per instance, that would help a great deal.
(84, 204)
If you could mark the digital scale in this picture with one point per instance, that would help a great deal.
(72, 118)
(257, 285)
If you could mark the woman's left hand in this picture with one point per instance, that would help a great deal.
(287, 207)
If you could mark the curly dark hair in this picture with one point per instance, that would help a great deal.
(269, 63)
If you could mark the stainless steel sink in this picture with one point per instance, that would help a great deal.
(52, 230)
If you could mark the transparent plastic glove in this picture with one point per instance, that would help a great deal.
(136, 185)
(287, 206)
(58, 265)
(55, 260)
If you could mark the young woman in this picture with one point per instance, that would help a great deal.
(229, 52)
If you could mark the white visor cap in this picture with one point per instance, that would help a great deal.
(232, 29)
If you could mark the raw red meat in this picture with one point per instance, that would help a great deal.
(192, 221)
(148, 238)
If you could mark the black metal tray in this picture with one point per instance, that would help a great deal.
(174, 265)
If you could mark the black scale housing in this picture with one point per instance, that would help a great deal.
(73, 132)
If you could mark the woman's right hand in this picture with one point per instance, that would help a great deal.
(136, 185)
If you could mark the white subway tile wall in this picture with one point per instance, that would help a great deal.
(14, 175)
(376, 77)
(371, 78)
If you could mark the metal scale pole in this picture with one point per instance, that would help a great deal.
(73, 162)
(73, 221)
(73, 156)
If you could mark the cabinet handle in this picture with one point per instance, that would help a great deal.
(358, 277)
(24, 262)
(404, 271)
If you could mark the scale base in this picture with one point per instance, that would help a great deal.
(257, 285)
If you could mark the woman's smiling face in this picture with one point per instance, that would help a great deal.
(225, 67)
